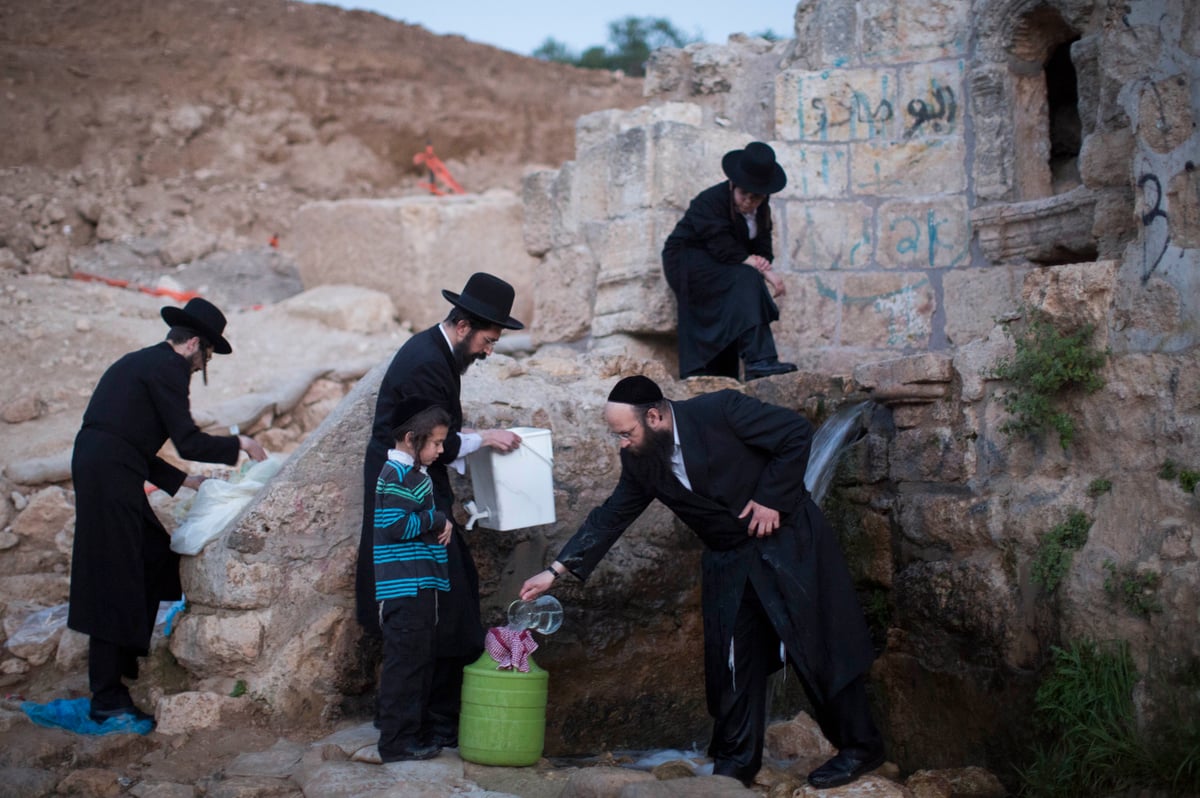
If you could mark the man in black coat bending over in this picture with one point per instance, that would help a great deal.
(732, 469)
(122, 565)
(430, 365)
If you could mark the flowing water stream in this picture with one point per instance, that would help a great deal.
(832, 438)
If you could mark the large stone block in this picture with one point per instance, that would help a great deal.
(566, 290)
(48, 512)
(631, 292)
(813, 170)
(1165, 118)
(215, 643)
(836, 105)
(891, 375)
(1105, 158)
(826, 236)
(974, 299)
(916, 167)
(887, 311)
(934, 233)
(955, 523)
(218, 577)
(687, 160)
(1041, 230)
(808, 316)
(825, 34)
(1074, 293)
(539, 207)
(897, 30)
(412, 248)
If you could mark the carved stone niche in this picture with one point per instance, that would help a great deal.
(1033, 204)
(1050, 230)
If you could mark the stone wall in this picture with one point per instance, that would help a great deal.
(414, 247)
(938, 185)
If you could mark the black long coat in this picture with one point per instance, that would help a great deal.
(122, 565)
(424, 366)
(735, 449)
(718, 296)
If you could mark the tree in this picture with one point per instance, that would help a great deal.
(554, 50)
(630, 42)
(634, 38)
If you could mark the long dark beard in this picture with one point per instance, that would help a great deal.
(462, 357)
(655, 453)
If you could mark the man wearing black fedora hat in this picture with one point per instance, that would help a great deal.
(121, 562)
(431, 365)
(717, 260)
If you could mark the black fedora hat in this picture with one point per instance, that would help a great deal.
(754, 169)
(203, 317)
(487, 297)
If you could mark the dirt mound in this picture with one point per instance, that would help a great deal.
(165, 142)
(166, 117)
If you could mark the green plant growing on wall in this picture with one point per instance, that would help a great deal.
(1054, 551)
(1137, 591)
(1085, 709)
(1171, 471)
(1046, 366)
(1098, 487)
(239, 689)
(1089, 741)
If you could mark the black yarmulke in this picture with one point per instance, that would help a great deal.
(636, 390)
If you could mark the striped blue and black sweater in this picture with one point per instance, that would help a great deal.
(408, 557)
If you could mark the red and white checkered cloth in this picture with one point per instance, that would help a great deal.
(510, 647)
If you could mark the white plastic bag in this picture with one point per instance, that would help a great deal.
(37, 638)
(217, 503)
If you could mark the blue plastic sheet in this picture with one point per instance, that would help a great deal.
(172, 611)
(72, 714)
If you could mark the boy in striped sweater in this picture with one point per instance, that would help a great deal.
(410, 570)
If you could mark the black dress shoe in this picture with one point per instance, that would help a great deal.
(843, 769)
(766, 368)
(444, 740)
(132, 712)
(411, 754)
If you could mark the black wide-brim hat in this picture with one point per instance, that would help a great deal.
(754, 169)
(487, 297)
(203, 317)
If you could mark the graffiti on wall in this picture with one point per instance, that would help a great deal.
(857, 105)
(919, 239)
(937, 116)
(1156, 224)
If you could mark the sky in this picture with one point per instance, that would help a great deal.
(523, 25)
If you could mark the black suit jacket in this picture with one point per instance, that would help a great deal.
(735, 449)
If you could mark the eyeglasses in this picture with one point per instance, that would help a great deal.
(625, 436)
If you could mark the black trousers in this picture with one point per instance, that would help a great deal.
(757, 345)
(406, 679)
(739, 727)
(108, 663)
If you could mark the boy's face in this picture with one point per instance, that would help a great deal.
(433, 447)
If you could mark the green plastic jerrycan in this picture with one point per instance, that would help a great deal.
(503, 717)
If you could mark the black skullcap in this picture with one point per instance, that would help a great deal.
(636, 390)
(408, 407)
